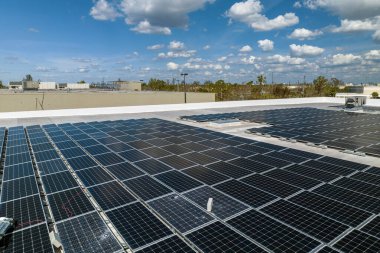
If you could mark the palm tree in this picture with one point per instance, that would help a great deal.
(261, 79)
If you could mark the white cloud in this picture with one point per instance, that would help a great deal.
(44, 69)
(176, 45)
(159, 15)
(304, 34)
(172, 66)
(266, 45)
(146, 28)
(376, 36)
(249, 60)
(33, 30)
(285, 59)
(155, 47)
(104, 11)
(246, 49)
(357, 25)
(207, 47)
(305, 50)
(351, 9)
(249, 12)
(297, 5)
(372, 55)
(221, 59)
(178, 54)
(343, 59)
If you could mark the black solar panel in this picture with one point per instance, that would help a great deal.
(223, 205)
(31, 240)
(171, 245)
(97, 149)
(357, 241)
(251, 165)
(229, 169)
(205, 175)
(320, 175)
(17, 159)
(344, 163)
(146, 187)
(81, 162)
(134, 155)
(52, 166)
(58, 182)
(93, 176)
(18, 171)
(110, 195)
(183, 215)
(18, 188)
(46, 155)
(245, 193)
(124, 171)
(177, 162)
(343, 171)
(138, 225)
(213, 239)
(87, 233)
(72, 152)
(272, 234)
(367, 177)
(178, 181)
(26, 211)
(292, 178)
(152, 166)
(109, 159)
(373, 227)
(69, 203)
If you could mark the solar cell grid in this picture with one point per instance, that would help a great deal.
(199, 158)
(146, 187)
(17, 159)
(138, 225)
(119, 147)
(152, 166)
(180, 213)
(373, 227)
(270, 160)
(97, 149)
(72, 152)
(110, 195)
(18, 188)
(18, 171)
(253, 166)
(69, 203)
(93, 176)
(245, 193)
(46, 155)
(124, 171)
(178, 181)
(217, 237)
(343, 163)
(272, 234)
(171, 245)
(58, 182)
(26, 211)
(359, 186)
(52, 166)
(357, 241)
(109, 159)
(81, 162)
(229, 169)
(31, 240)
(177, 162)
(87, 233)
(223, 205)
(134, 155)
(292, 178)
(66, 144)
(312, 172)
(367, 177)
(205, 175)
(220, 155)
(17, 149)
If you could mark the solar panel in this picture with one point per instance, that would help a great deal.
(58, 182)
(178, 181)
(17, 159)
(72, 152)
(367, 177)
(134, 155)
(177, 162)
(344, 213)
(327, 250)
(152, 166)
(146, 187)
(26, 211)
(220, 155)
(205, 175)
(292, 178)
(171, 245)
(359, 186)
(124, 171)
(17, 149)
(373, 227)
(344, 163)
(138, 225)
(18, 171)
(81, 162)
(199, 158)
(46, 155)
(53, 166)
(223, 205)
(357, 241)
(213, 238)
(343, 171)
(109, 159)
(119, 147)
(30, 240)
(97, 149)
(272, 234)
(69, 203)
(183, 215)
(270, 185)
(110, 195)
(229, 169)
(93, 176)
(87, 233)
(251, 165)
(320, 175)
(18, 188)
(301, 153)
(245, 193)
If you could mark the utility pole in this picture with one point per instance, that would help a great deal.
(272, 78)
(184, 84)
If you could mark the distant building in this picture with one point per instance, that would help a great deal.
(365, 90)
(15, 86)
(127, 85)
(48, 86)
(74, 86)
(30, 85)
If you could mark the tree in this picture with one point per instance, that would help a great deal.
(28, 77)
(261, 79)
(1, 84)
(336, 82)
(82, 81)
(375, 94)
(319, 83)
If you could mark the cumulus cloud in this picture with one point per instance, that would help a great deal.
(155, 47)
(249, 60)
(372, 55)
(250, 12)
(368, 24)
(178, 54)
(305, 50)
(266, 45)
(304, 34)
(104, 11)
(176, 45)
(343, 59)
(351, 9)
(221, 59)
(207, 47)
(376, 36)
(277, 59)
(172, 66)
(246, 49)
(161, 15)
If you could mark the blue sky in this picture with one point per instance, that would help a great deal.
(89, 40)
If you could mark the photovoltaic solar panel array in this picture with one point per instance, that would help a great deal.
(145, 184)
(335, 129)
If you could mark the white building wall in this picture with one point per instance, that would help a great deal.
(78, 86)
(48, 86)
